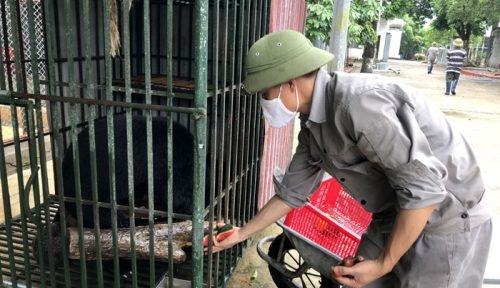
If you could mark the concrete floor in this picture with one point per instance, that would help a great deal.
(475, 111)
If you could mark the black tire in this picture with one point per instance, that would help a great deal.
(290, 259)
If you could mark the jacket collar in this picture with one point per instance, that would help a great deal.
(318, 111)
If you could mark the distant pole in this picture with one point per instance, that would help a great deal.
(338, 36)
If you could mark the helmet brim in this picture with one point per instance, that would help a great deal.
(304, 63)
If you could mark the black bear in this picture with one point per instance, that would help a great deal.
(183, 159)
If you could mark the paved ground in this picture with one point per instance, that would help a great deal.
(475, 111)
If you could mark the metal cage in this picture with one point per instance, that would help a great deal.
(68, 64)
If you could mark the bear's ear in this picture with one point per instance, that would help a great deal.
(70, 220)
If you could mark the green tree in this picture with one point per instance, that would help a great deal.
(362, 22)
(441, 37)
(414, 14)
(417, 10)
(412, 40)
(466, 17)
(363, 19)
(319, 20)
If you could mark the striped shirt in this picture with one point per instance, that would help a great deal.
(455, 59)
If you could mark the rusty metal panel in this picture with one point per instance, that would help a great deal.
(278, 143)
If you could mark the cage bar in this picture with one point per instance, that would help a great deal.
(180, 60)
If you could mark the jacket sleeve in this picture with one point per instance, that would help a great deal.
(302, 176)
(389, 135)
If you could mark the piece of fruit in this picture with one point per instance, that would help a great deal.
(221, 233)
(206, 240)
(224, 228)
(224, 232)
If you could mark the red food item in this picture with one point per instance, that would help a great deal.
(206, 240)
(221, 233)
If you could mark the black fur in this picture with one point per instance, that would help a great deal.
(183, 159)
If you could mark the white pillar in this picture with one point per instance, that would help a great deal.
(338, 36)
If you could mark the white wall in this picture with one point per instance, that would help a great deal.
(394, 28)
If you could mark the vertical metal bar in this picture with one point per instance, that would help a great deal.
(16, 42)
(170, 95)
(56, 141)
(256, 151)
(78, 51)
(265, 24)
(6, 203)
(39, 131)
(149, 135)
(244, 144)
(97, 47)
(58, 22)
(39, 115)
(8, 209)
(235, 196)
(89, 92)
(74, 134)
(158, 37)
(252, 120)
(225, 167)
(110, 129)
(3, 35)
(214, 138)
(125, 17)
(179, 43)
(19, 162)
(24, 203)
(200, 101)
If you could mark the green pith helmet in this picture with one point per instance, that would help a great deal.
(458, 43)
(281, 56)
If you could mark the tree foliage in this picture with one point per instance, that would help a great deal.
(319, 20)
(412, 40)
(417, 10)
(363, 19)
(363, 16)
(466, 17)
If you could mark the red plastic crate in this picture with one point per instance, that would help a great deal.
(332, 219)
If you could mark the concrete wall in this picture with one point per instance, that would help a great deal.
(394, 27)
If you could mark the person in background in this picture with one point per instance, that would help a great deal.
(455, 57)
(393, 152)
(431, 55)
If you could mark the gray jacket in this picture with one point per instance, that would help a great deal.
(389, 149)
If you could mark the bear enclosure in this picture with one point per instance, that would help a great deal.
(120, 118)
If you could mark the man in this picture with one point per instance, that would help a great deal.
(432, 53)
(396, 155)
(455, 59)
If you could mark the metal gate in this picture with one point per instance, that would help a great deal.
(145, 94)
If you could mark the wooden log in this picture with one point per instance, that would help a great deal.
(181, 237)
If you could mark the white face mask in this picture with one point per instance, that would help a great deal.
(276, 112)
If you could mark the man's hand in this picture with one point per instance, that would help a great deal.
(361, 273)
(224, 240)
(407, 227)
(274, 209)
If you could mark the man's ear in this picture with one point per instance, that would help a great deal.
(292, 84)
